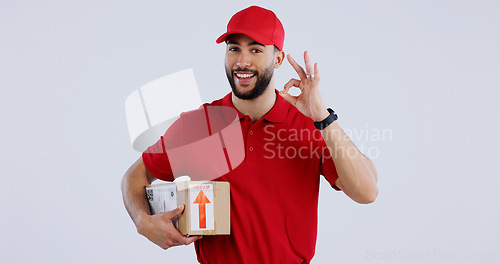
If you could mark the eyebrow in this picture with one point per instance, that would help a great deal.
(250, 44)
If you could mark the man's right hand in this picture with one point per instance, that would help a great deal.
(160, 230)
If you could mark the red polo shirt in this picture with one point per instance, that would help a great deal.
(274, 191)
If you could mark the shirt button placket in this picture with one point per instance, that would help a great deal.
(250, 141)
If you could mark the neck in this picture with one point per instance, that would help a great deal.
(258, 107)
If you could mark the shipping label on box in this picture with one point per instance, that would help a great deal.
(207, 205)
(202, 206)
(162, 198)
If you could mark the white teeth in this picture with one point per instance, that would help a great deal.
(244, 75)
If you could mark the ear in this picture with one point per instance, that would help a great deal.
(279, 57)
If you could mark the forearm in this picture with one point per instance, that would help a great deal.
(134, 193)
(357, 174)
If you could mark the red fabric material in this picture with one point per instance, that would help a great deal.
(274, 191)
(258, 23)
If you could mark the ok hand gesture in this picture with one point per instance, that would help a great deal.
(309, 101)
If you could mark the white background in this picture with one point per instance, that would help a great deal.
(426, 70)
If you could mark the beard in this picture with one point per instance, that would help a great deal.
(263, 80)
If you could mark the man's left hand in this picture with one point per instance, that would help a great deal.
(309, 101)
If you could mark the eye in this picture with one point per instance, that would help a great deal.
(256, 50)
(233, 49)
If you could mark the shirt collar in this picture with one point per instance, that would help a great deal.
(277, 114)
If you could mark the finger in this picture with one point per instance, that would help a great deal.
(296, 66)
(307, 60)
(188, 240)
(176, 238)
(174, 243)
(172, 214)
(290, 84)
(289, 98)
(316, 71)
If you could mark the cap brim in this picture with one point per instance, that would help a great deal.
(223, 37)
(257, 37)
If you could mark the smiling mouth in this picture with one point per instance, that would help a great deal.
(244, 78)
(245, 75)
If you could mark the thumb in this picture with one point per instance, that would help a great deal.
(288, 97)
(172, 214)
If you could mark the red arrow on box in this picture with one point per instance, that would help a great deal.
(202, 199)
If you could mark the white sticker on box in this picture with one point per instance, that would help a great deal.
(162, 198)
(202, 206)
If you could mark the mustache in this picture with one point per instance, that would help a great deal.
(245, 70)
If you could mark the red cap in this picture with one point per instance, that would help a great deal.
(258, 23)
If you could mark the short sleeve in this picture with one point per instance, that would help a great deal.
(328, 167)
(190, 127)
(155, 158)
(156, 161)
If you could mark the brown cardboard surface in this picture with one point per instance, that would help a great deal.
(182, 198)
(221, 207)
(222, 196)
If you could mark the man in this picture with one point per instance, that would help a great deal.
(289, 142)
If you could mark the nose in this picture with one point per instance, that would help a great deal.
(244, 60)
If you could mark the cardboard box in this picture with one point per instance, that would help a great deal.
(207, 205)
